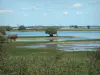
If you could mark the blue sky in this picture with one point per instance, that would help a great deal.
(49, 12)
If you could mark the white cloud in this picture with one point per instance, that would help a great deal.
(6, 11)
(76, 5)
(25, 14)
(25, 8)
(48, 10)
(65, 13)
(34, 8)
(30, 8)
(79, 13)
(45, 14)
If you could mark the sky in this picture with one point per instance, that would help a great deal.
(49, 12)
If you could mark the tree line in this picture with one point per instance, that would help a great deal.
(22, 27)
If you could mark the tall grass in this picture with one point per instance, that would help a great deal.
(46, 65)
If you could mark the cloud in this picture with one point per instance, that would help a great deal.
(65, 13)
(34, 8)
(25, 8)
(76, 5)
(45, 14)
(79, 13)
(25, 14)
(6, 11)
(95, 2)
(48, 10)
(30, 8)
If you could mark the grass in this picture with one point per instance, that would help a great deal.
(88, 40)
(23, 61)
(44, 36)
(81, 29)
(40, 51)
(24, 43)
(44, 42)
(45, 52)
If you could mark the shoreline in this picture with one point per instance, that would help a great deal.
(72, 42)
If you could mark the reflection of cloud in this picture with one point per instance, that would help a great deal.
(6, 11)
(65, 13)
(76, 5)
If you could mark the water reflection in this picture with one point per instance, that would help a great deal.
(66, 47)
(53, 39)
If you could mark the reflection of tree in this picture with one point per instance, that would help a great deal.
(51, 45)
(51, 39)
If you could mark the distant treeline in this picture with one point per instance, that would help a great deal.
(23, 27)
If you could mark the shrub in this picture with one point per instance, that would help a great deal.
(94, 62)
(2, 30)
(51, 31)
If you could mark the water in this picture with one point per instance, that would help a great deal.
(58, 39)
(80, 35)
(86, 34)
(66, 47)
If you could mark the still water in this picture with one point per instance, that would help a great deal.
(86, 34)
(66, 47)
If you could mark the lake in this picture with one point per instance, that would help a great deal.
(85, 34)
(79, 35)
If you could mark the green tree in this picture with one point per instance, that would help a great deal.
(88, 27)
(2, 30)
(51, 31)
(21, 27)
(8, 28)
(76, 26)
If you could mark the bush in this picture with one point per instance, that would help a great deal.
(94, 62)
(95, 55)
(2, 39)
(46, 65)
(43, 65)
(2, 30)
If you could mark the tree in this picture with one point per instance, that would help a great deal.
(76, 26)
(51, 31)
(2, 38)
(88, 27)
(21, 27)
(2, 30)
(8, 28)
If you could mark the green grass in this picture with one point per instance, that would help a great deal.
(41, 52)
(44, 36)
(24, 43)
(31, 43)
(81, 29)
(88, 40)
(23, 61)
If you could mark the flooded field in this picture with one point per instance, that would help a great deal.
(66, 47)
